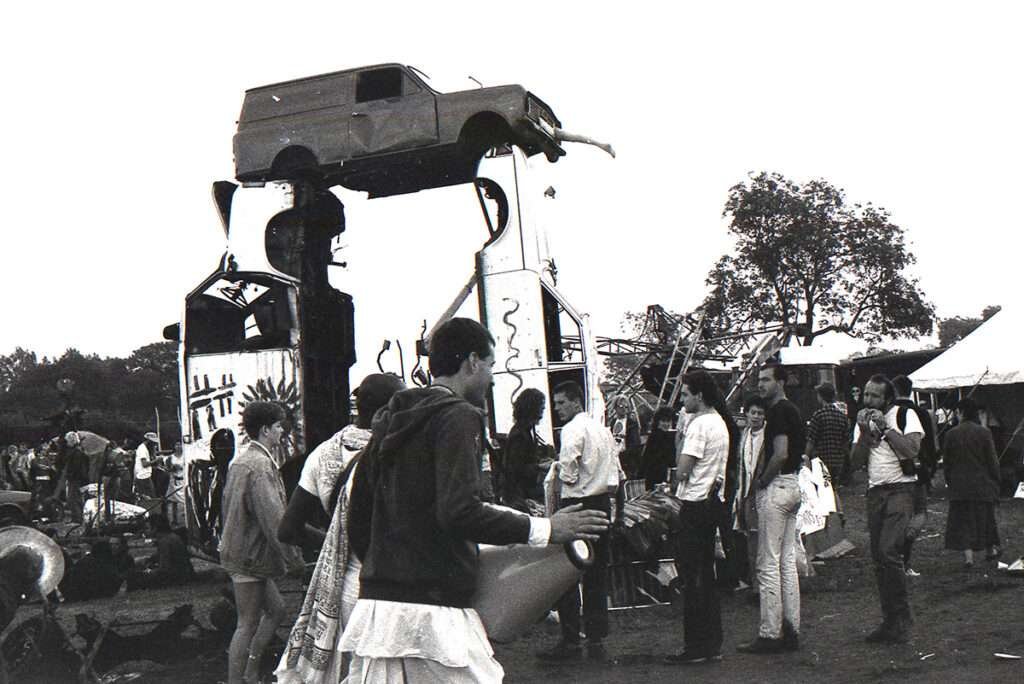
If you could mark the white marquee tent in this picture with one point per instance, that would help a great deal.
(990, 355)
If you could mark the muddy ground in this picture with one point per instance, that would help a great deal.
(960, 625)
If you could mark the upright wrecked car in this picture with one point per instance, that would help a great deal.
(382, 129)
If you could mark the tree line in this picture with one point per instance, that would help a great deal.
(116, 397)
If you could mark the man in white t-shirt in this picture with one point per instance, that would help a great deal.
(700, 469)
(890, 454)
(311, 655)
(145, 454)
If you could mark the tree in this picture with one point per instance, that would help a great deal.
(158, 364)
(114, 396)
(952, 330)
(804, 257)
(15, 365)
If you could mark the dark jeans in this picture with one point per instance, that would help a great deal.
(144, 487)
(74, 499)
(730, 570)
(595, 585)
(695, 563)
(890, 508)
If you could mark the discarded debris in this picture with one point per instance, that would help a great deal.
(1007, 656)
(1015, 568)
(927, 656)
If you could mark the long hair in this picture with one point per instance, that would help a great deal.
(528, 407)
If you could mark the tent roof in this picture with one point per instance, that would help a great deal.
(988, 356)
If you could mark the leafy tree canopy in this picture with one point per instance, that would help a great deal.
(806, 257)
(954, 329)
(115, 396)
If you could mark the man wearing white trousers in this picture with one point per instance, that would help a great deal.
(778, 500)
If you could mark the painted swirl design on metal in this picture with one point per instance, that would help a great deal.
(512, 348)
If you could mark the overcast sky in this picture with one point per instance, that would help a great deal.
(119, 116)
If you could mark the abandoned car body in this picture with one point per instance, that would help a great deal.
(383, 130)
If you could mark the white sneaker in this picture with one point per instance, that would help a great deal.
(910, 572)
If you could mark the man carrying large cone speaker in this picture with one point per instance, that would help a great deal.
(416, 518)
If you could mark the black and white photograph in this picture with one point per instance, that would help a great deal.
(475, 343)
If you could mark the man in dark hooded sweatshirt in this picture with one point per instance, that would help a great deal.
(416, 518)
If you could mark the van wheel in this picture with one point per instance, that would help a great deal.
(482, 132)
(295, 163)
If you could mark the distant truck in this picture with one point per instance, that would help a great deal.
(382, 129)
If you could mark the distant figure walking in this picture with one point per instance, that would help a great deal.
(972, 475)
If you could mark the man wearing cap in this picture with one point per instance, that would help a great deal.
(327, 461)
(311, 655)
(144, 456)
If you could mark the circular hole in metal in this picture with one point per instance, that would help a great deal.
(581, 549)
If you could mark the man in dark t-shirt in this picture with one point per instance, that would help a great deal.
(783, 418)
(778, 499)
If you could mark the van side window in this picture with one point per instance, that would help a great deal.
(379, 84)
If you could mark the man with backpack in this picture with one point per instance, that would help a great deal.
(927, 462)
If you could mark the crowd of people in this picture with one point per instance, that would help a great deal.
(391, 594)
(57, 472)
(401, 495)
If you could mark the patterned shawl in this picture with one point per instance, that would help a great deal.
(310, 655)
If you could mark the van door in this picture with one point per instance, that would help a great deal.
(392, 112)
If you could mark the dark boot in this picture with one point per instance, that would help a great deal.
(762, 645)
(790, 637)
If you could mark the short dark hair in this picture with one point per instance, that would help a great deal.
(260, 414)
(755, 400)
(571, 389)
(664, 413)
(827, 392)
(528, 407)
(374, 392)
(454, 341)
(879, 379)
(778, 371)
(969, 408)
(903, 385)
(700, 382)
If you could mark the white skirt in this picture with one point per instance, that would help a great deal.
(409, 643)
